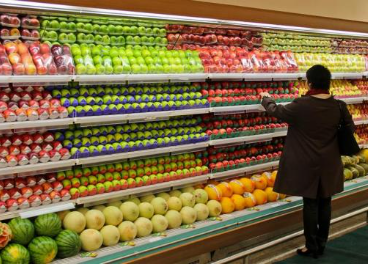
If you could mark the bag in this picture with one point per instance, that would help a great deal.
(345, 136)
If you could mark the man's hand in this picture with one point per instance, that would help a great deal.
(264, 95)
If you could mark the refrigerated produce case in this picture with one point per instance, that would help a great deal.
(92, 93)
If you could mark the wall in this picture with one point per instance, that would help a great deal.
(354, 10)
(245, 10)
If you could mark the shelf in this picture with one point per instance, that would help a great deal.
(240, 171)
(254, 138)
(361, 122)
(39, 210)
(144, 117)
(140, 78)
(106, 197)
(354, 100)
(60, 79)
(240, 108)
(152, 78)
(141, 153)
(49, 123)
(37, 168)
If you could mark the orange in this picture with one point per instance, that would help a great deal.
(226, 189)
(214, 182)
(238, 201)
(249, 200)
(237, 186)
(271, 195)
(259, 181)
(214, 193)
(227, 205)
(249, 185)
(261, 196)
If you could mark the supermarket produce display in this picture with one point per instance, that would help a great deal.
(122, 131)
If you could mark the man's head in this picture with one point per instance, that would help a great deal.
(319, 77)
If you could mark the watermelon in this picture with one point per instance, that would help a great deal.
(48, 225)
(15, 253)
(22, 229)
(69, 243)
(43, 249)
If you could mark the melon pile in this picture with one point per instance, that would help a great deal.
(39, 240)
(120, 221)
(355, 166)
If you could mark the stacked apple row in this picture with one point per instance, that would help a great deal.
(193, 37)
(104, 140)
(350, 46)
(22, 103)
(22, 193)
(361, 134)
(102, 59)
(22, 59)
(359, 111)
(334, 62)
(340, 88)
(239, 125)
(296, 42)
(225, 59)
(30, 148)
(11, 24)
(235, 157)
(247, 93)
(137, 173)
(118, 99)
(101, 33)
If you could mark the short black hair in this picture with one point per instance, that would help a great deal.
(319, 77)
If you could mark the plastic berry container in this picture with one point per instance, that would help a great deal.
(10, 21)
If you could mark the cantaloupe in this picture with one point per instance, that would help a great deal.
(202, 211)
(159, 223)
(130, 211)
(188, 214)
(95, 219)
(174, 218)
(144, 227)
(128, 231)
(74, 221)
(113, 215)
(91, 239)
(110, 234)
(348, 175)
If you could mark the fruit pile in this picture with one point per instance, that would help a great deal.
(38, 241)
(99, 59)
(22, 103)
(106, 225)
(238, 125)
(22, 193)
(358, 111)
(194, 37)
(101, 179)
(247, 93)
(361, 134)
(296, 43)
(350, 46)
(105, 32)
(238, 194)
(238, 60)
(234, 157)
(339, 88)
(107, 100)
(362, 85)
(22, 59)
(104, 140)
(334, 62)
(27, 148)
(11, 24)
(355, 166)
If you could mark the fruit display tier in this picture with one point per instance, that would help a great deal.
(188, 235)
